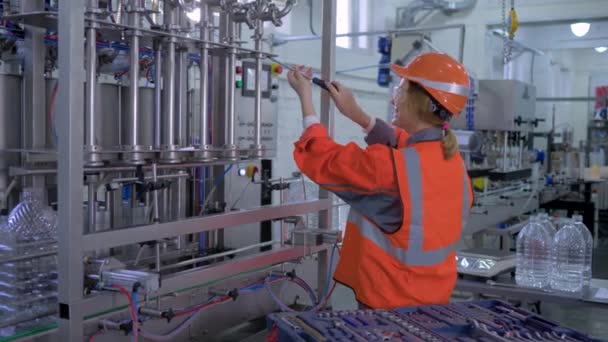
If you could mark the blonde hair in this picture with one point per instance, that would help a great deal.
(420, 103)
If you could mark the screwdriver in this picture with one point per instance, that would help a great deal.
(319, 82)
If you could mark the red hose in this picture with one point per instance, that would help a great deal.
(132, 306)
(203, 306)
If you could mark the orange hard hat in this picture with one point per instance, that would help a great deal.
(444, 78)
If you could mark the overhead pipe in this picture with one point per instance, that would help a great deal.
(205, 152)
(278, 40)
(169, 155)
(133, 144)
(92, 158)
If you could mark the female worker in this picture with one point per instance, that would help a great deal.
(409, 191)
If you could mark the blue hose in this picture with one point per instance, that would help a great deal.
(134, 297)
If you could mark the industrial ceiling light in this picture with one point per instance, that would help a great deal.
(601, 49)
(580, 29)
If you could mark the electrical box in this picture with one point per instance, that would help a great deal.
(502, 105)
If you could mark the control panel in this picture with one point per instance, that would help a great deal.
(245, 106)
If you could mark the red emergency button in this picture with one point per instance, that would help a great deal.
(277, 69)
(239, 70)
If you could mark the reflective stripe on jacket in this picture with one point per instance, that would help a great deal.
(408, 208)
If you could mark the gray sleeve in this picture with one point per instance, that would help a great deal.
(383, 134)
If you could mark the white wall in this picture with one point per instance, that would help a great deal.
(372, 98)
(553, 75)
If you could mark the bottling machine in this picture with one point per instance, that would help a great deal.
(146, 138)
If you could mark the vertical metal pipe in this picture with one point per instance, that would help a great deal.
(134, 92)
(133, 115)
(69, 125)
(181, 92)
(230, 148)
(91, 59)
(155, 193)
(257, 150)
(92, 159)
(158, 76)
(328, 69)
(157, 253)
(505, 150)
(205, 153)
(231, 76)
(169, 96)
(34, 105)
(168, 133)
(92, 205)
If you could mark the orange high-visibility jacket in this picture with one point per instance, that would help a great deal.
(408, 207)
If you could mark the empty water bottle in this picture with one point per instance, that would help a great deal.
(546, 222)
(587, 273)
(533, 255)
(28, 285)
(568, 259)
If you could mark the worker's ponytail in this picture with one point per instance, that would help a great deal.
(449, 144)
(421, 102)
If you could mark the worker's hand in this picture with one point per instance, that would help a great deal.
(299, 79)
(346, 103)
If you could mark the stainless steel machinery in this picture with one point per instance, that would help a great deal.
(150, 136)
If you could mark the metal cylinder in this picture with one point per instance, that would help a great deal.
(230, 94)
(204, 154)
(10, 124)
(168, 114)
(257, 150)
(92, 159)
(92, 206)
(157, 93)
(133, 144)
(230, 149)
(133, 91)
(168, 136)
(181, 96)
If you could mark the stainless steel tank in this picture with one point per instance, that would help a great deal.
(10, 124)
(106, 119)
(146, 107)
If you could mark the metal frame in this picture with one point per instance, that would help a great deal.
(161, 231)
(72, 241)
(328, 70)
(70, 123)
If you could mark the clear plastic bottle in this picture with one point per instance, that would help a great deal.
(568, 259)
(28, 287)
(546, 222)
(587, 272)
(534, 246)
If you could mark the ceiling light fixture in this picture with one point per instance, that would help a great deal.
(580, 29)
(601, 49)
